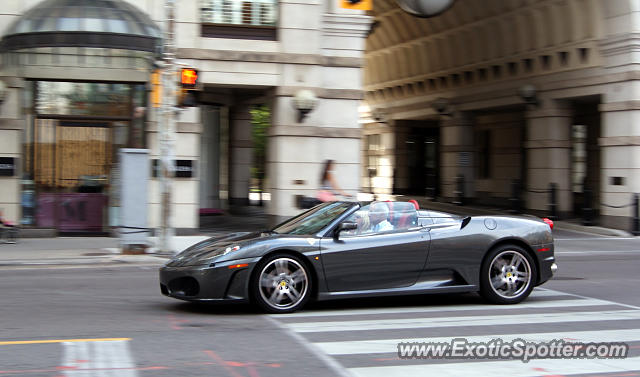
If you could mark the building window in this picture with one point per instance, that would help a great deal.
(243, 19)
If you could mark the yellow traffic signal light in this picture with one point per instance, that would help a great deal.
(357, 4)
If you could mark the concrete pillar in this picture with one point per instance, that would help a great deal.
(12, 125)
(457, 154)
(400, 181)
(333, 44)
(620, 111)
(548, 145)
(620, 154)
(185, 196)
(241, 155)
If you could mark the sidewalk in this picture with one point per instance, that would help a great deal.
(83, 251)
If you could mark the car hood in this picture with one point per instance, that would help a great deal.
(216, 247)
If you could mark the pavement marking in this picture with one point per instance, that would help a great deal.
(514, 368)
(589, 298)
(427, 308)
(333, 365)
(334, 348)
(391, 345)
(589, 252)
(488, 320)
(449, 308)
(98, 358)
(45, 341)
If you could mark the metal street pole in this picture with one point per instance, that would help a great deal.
(167, 130)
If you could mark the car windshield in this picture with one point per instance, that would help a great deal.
(314, 220)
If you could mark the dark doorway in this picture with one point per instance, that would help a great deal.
(585, 156)
(423, 161)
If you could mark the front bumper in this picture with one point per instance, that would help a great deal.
(207, 283)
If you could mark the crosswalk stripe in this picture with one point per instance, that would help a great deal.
(360, 347)
(306, 327)
(98, 359)
(574, 302)
(514, 368)
(586, 309)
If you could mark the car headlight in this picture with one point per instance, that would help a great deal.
(230, 249)
(217, 253)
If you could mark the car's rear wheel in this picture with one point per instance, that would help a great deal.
(507, 275)
(282, 284)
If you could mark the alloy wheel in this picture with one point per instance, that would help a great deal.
(283, 283)
(509, 274)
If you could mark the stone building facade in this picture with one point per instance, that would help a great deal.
(73, 101)
(517, 92)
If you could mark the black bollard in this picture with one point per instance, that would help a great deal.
(553, 204)
(515, 196)
(458, 194)
(635, 229)
(587, 207)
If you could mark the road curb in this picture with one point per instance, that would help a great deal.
(591, 229)
(95, 261)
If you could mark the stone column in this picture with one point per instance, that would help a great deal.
(620, 157)
(12, 125)
(457, 150)
(399, 157)
(620, 110)
(241, 155)
(185, 198)
(548, 145)
(326, 58)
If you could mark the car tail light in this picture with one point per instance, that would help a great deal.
(548, 222)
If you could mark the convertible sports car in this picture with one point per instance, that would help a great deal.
(350, 249)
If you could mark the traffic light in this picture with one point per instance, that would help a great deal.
(357, 4)
(189, 78)
(156, 88)
(188, 88)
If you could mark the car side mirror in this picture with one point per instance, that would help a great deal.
(347, 225)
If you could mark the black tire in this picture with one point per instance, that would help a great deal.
(287, 284)
(508, 275)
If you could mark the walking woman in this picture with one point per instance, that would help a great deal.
(329, 189)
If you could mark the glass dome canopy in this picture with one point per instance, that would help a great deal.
(83, 23)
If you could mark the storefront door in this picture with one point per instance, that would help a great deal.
(73, 174)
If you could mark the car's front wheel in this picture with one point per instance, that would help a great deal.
(508, 275)
(282, 284)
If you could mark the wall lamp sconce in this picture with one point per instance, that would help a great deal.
(304, 101)
(442, 106)
(528, 93)
(425, 8)
(379, 115)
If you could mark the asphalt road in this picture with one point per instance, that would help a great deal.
(113, 321)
